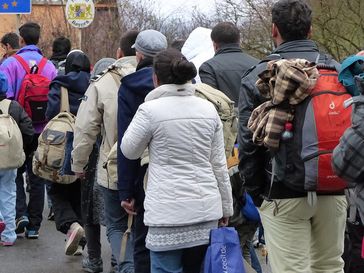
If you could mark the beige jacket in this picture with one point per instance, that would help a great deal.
(98, 114)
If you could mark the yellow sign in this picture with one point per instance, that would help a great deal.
(80, 13)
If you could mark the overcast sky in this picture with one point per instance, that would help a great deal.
(167, 7)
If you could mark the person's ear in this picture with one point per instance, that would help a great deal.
(155, 80)
(22, 42)
(216, 46)
(119, 53)
(274, 31)
(309, 35)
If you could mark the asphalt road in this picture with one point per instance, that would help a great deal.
(46, 254)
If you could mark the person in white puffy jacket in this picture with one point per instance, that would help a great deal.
(188, 188)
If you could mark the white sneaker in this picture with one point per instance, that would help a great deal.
(74, 236)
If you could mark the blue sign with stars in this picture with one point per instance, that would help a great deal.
(15, 6)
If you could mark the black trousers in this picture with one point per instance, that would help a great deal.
(66, 202)
(354, 261)
(34, 208)
(141, 253)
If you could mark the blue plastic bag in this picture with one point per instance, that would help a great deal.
(224, 253)
(249, 210)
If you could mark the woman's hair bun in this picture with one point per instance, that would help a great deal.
(171, 67)
(183, 70)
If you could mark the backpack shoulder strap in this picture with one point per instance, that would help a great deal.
(65, 105)
(22, 62)
(4, 106)
(42, 64)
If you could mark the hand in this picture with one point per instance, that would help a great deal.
(223, 222)
(128, 205)
(80, 175)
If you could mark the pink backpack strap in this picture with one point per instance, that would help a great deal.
(22, 62)
(41, 65)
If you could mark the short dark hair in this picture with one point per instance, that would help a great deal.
(225, 33)
(178, 44)
(171, 67)
(61, 46)
(127, 40)
(11, 39)
(293, 19)
(30, 32)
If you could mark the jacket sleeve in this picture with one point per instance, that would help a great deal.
(137, 136)
(218, 162)
(54, 101)
(24, 122)
(207, 75)
(8, 68)
(251, 157)
(348, 156)
(127, 169)
(87, 128)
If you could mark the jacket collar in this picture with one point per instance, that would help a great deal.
(127, 59)
(170, 90)
(227, 48)
(298, 45)
(29, 48)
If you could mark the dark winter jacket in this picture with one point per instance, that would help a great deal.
(132, 92)
(225, 69)
(76, 84)
(24, 122)
(254, 160)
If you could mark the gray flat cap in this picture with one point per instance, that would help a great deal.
(150, 42)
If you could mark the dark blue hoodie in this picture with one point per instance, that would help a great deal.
(76, 80)
(132, 93)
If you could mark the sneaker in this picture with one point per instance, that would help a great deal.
(92, 265)
(21, 223)
(32, 234)
(7, 243)
(74, 236)
(2, 227)
(79, 251)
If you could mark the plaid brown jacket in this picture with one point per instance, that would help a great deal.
(286, 83)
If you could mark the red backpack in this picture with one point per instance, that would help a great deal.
(303, 162)
(33, 94)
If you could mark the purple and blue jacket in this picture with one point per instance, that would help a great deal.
(16, 73)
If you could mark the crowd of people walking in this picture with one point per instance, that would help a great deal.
(166, 143)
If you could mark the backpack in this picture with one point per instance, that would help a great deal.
(11, 141)
(33, 94)
(52, 159)
(319, 122)
(225, 109)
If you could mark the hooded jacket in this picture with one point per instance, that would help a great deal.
(97, 115)
(255, 159)
(225, 69)
(132, 93)
(188, 180)
(76, 81)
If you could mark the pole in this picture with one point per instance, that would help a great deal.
(17, 23)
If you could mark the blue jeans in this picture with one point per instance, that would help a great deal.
(116, 220)
(7, 204)
(187, 260)
(254, 259)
